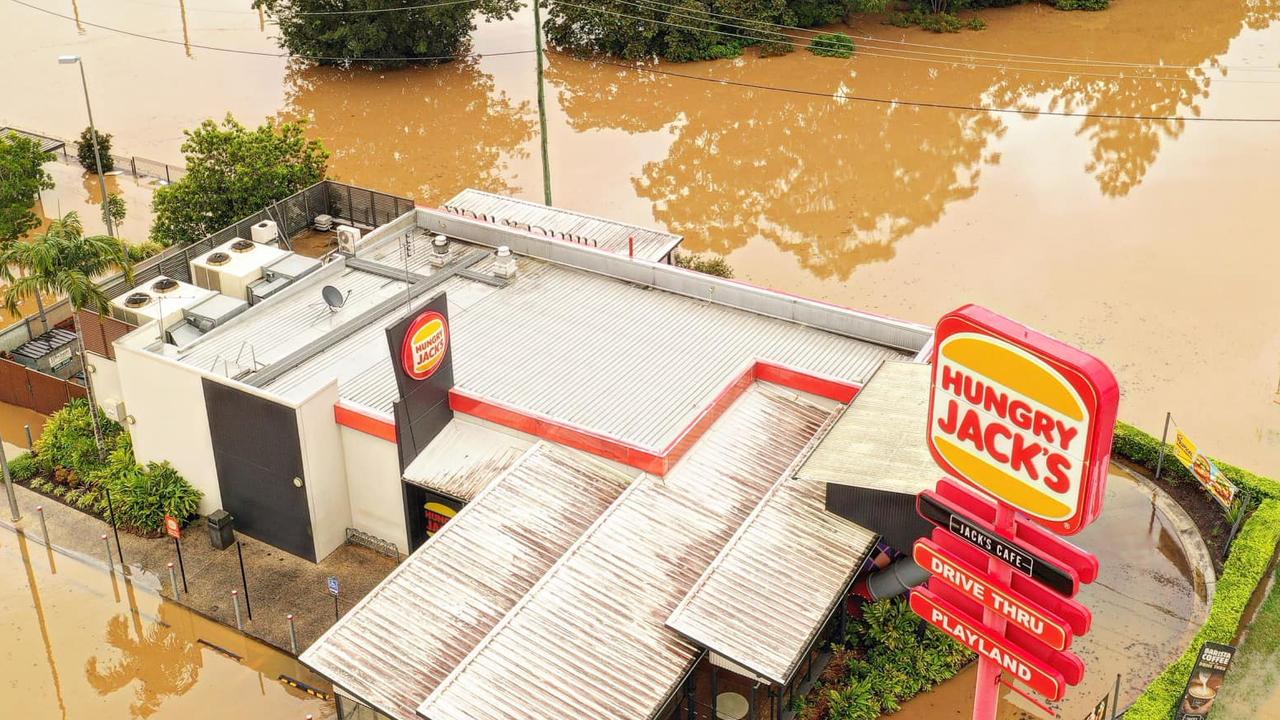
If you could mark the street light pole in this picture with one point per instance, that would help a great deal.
(93, 133)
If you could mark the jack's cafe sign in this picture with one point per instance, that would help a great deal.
(1022, 417)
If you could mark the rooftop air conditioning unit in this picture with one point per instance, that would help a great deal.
(323, 223)
(230, 267)
(265, 232)
(280, 274)
(348, 238)
(203, 317)
(149, 300)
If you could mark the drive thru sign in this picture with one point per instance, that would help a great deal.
(1026, 421)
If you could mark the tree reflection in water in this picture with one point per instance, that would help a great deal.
(424, 131)
(160, 661)
(838, 183)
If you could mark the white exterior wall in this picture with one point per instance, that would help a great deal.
(166, 401)
(106, 380)
(324, 464)
(373, 473)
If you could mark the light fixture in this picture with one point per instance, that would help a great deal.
(68, 59)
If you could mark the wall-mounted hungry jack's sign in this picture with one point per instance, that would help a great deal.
(421, 346)
(1022, 417)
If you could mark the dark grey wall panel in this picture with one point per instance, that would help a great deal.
(890, 514)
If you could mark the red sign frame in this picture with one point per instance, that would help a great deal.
(408, 362)
(988, 644)
(976, 585)
(1094, 386)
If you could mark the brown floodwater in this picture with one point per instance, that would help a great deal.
(1146, 241)
(81, 644)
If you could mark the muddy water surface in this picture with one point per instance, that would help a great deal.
(1146, 241)
(79, 644)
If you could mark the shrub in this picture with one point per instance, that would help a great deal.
(143, 496)
(940, 22)
(1244, 570)
(85, 151)
(832, 45)
(711, 264)
(67, 441)
(24, 468)
(1082, 4)
(142, 251)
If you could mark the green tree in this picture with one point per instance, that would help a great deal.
(232, 172)
(84, 151)
(324, 30)
(114, 210)
(22, 177)
(62, 261)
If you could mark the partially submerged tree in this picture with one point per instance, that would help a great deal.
(84, 151)
(62, 261)
(22, 177)
(232, 172)
(338, 31)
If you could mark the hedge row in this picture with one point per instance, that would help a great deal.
(1251, 555)
(1142, 449)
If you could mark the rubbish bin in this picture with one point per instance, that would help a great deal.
(221, 530)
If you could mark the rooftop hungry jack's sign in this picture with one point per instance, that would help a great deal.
(1021, 416)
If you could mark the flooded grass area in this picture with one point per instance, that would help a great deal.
(1252, 688)
(1145, 607)
(82, 644)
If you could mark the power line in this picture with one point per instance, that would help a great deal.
(923, 104)
(261, 53)
(964, 52)
(864, 53)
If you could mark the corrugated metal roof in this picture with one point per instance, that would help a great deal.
(47, 144)
(590, 639)
(394, 647)
(557, 340)
(879, 441)
(768, 593)
(463, 458)
(566, 225)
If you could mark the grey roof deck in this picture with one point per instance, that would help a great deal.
(395, 646)
(763, 600)
(559, 339)
(567, 225)
(589, 640)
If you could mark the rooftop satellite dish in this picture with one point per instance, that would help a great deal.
(333, 297)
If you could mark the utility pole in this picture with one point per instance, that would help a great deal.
(542, 105)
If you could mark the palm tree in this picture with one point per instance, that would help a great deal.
(62, 261)
(158, 659)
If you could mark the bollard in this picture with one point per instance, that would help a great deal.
(235, 600)
(173, 581)
(8, 485)
(293, 635)
(31, 444)
(44, 529)
(111, 564)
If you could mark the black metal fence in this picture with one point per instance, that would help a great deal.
(354, 205)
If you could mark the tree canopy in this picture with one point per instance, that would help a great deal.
(232, 172)
(61, 261)
(22, 177)
(339, 31)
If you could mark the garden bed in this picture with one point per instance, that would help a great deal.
(68, 466)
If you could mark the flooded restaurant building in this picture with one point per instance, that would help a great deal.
(625, 489)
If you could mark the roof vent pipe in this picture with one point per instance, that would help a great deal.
(439, 251)
(504, 265)
(892, 581)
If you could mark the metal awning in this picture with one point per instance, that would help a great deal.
(398, 643)
(875, 460)
(47, 144)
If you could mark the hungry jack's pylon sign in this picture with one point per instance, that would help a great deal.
(1026, 420)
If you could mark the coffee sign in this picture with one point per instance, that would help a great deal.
(1205, 681)
(1022, 417)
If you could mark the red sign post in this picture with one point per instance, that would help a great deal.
(1026, 421)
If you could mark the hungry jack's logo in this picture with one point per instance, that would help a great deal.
(425, 343)
(1021, 416)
